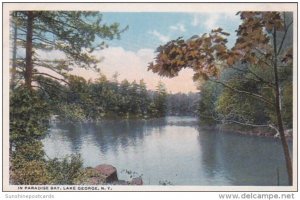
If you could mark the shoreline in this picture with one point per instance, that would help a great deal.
(256, 132)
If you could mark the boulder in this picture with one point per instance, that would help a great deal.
(137, 181)
(93, 177)
(109, 172)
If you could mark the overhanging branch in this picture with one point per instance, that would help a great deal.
(56, 78)
(265, 100)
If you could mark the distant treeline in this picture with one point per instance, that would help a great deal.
(82, 100)
(181, 104)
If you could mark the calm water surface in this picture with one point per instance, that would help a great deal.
(175, 149)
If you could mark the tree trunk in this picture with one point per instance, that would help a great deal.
(284, 143)
(29, 51)
(14, 55)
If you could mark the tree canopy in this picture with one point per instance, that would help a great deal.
(74, 35)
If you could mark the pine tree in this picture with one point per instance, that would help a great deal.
(75, 35)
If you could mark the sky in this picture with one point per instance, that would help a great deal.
(130, 55)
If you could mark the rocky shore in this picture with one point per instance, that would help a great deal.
(107, 174)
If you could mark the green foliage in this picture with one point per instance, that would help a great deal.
(181, 104)
(224, 104)
(241, 108)
(32, 172)
(208, 98)
(71, 112)
(29, 151)
(159, 106)
(84, 100)
(28, 116)
(28, 123)
(37, 171)
(67, 171)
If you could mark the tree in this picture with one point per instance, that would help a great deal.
(28, 114)
(27, 125)
(261, 40)
(73, 34)
(208, 98)
(160, 101)
(134, 105)
(181, 104)
(143, 96)
(233, 107)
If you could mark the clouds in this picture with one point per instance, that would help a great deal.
(130, 55)
(168, 32)
(178, 27)
(132, 65)
(213, 20)
(158, 35)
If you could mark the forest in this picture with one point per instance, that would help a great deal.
(244, 87)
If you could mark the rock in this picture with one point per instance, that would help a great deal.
(137, 181)
(108, 171)
(93, 177)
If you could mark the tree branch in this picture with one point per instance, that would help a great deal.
(245, 92)
(45, 74)
(36, 37)
(254, 74)
(49, 84)
(41, 88)
(224, 121)
(44, 64)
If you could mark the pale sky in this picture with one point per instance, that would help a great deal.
(130, 55)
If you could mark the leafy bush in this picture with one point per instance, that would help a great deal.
(66, 171)
(32, 172)
(28, 116)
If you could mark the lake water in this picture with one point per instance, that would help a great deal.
(172, 149)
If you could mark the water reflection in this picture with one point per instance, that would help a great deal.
(173, 149)
(243, 160)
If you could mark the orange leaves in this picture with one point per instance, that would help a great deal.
(272, 20)
(220, 48)
(233, 56)
(198, 53)
(254, 34)
(192, 54)
(245, 15)
(257, 20)
(204, 53)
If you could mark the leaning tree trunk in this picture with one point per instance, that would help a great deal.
(284, 143)
(29, 51)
